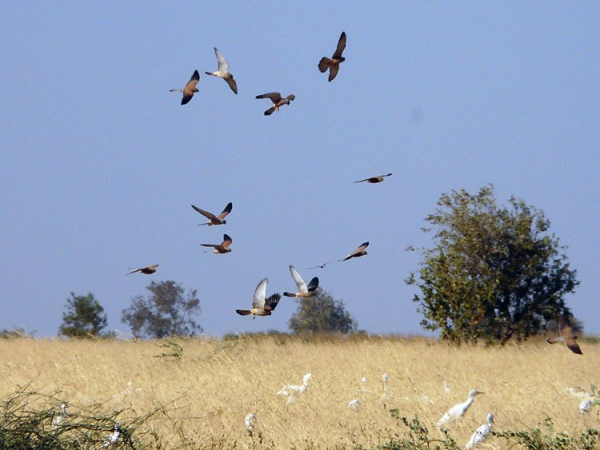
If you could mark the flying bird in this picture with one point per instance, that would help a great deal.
(214, 220)
(321, 266)
(277, 100)
(457, 411)
(147, 270)
(223, 247)
(377, 179)
(333, 63)
(223, 71)
(566, 334)
(360, 251)
(481, 433)
(304, 291)
(261, 306)
(189, 89)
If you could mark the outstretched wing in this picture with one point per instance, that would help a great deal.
(258, 301)
(274, 96)
(298, 279)
(272, 302)
(223, 66)
(313, 285)
(226, 241)
(206, 214)
(340, 46)
(226, 211)
(232, 84)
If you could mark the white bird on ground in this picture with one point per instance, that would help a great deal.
(481, 433)
(585, 406)
(386, 396)
(61, 417)
(114, 437)
(457, 411)
(354, 404)
(250, 422)
(290, 390)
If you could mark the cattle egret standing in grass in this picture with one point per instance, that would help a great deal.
(457, 411)
(290, 390)
(304, 291)
(223, 71)
(114, 437)
(386, 396)
(481, 433)
(60, 418)
(354, 404)
(250, 422)
(585, 406)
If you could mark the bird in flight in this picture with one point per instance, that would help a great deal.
(458, 411)
(360, 251)
(277, 100)
(566, 334)
(223, 71)
(214, 220)
(320, 266)
(189, 89)
(147, 270)
(377, 179)
(304, 291)
(261, 305)
(222, 247)
(333, 63)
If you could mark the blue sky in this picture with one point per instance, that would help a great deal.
(100, 162)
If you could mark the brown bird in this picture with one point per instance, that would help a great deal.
(333, 63)
(147, 270)
(223, 247)
(360, 251)
(304, 291)
(566, 334)
(377, 179)
(214, 220)
(261, 306)
(189, 89)
(277, 100)
(223, 71)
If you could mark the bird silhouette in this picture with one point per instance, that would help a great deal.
(377, 179)
(223, 71)
(567, 334)
(333, 63)
(189, 89)
(261, 306)
(304, 291)
(222, 247)
(212, 219)
(277, 100)
(147, 270)
(360, 251)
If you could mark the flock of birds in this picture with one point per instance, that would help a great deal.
(261, 304)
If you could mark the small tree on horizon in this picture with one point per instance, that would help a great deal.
(494, 272)
(321, 313)
(164, 312)
(84, 317)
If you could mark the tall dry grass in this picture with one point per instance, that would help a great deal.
(210, 388)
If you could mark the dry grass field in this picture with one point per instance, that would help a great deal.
(206, 393)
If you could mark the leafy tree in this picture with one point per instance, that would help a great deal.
(494, 272)
(165, 312)
(321, 313)
(83, 317)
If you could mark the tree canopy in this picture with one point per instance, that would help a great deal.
(84, 317)
(166, 311)
(321, 313)
(494, 272)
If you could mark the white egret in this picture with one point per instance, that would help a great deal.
(250, 422)
(457, 411)
(61, 417)
(386, 396)
(354, 404)
(290, 389)
(481, 433)
(114, 437)
(585, 406)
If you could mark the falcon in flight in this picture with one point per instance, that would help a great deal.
(277, 100)
(222, 247)
(261, 306)
(189, 89)
(214, 220)
(147, 270)
(377, 179)
(333, 63)
(223, 71)
(304, 291)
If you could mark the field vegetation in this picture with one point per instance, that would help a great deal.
(195, 393)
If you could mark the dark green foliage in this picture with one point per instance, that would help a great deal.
(84, 317)
(321, 313)
(494, 273)
(165, 312)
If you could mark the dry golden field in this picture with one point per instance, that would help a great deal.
(216, 383)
